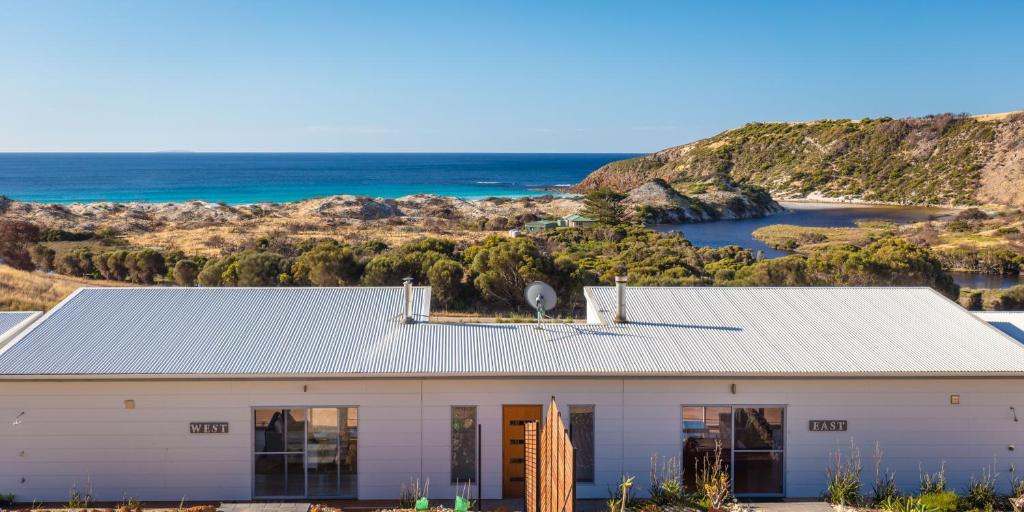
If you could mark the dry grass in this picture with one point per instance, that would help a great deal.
(36, 291)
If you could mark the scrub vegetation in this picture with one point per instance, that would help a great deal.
(489, 276)
(947, 159)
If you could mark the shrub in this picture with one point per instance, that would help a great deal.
(7, 500)
(933, 483)
(942, 501)
(666, 481)
(713, 480)
(981, 492)
(907, 504)
(412, 492)
(185, 273)
(843, 477)
(884, 488)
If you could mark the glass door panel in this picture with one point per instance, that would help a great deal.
(305, 452)
(704, 429)
(758, 473)
(752, 441)
(323, 452)
(348, 445)
(758, 428)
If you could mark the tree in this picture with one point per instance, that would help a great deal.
(605, 206)
(185, 272)
(15, 238)
(389, 269)
(76, 262)
(257, 268)
(500, 268)
(326, 264)
(445, 278)
(214, 270)
(145, 265)
(42, 256)
(111, 265)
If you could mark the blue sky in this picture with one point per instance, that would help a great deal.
(483, 76)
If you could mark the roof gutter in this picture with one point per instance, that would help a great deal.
(552, 376)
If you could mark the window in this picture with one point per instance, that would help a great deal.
(581, 430)
(752, 442)
(463, 445)
(305, 452)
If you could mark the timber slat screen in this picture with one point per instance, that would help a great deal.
(532, 466)
(550, 473)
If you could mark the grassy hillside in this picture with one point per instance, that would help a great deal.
(944, 159)
(36, 291)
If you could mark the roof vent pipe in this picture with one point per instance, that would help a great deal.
(620, 299)
(407, 309)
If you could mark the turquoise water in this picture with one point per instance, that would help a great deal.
(239, 178)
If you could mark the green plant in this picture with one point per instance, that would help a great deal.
(462, 497)
(884, 488)
(7, 500)
(620, 497)
(981, 492)
(713, 480)
(942, 501)
(79, 498)
(933, 483)
(411, 492)
(907, 504)
(129, 504)
(666, 481)
(843, 477)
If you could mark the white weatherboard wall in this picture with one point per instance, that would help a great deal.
(74, 432)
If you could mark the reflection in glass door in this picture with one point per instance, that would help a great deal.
(752, 441)
(305, 452)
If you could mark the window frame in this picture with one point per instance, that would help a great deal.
(451, 445)
(732, 442)
(593, 440)
(305, 450)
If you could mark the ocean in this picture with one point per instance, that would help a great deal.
(240, 178)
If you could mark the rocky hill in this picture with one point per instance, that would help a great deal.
(936, 160)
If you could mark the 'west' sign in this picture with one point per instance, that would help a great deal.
(208, 428)
(827, 426)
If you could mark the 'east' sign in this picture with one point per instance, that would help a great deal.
(828, 425)
(208, 428)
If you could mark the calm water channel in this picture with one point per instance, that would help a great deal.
(740, 232)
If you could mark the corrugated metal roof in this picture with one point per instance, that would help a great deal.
(1010, 322)
(355, 332)
(211, 331)
(11, 319)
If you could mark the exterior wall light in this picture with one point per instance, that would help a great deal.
(954, 399)
(129, 404)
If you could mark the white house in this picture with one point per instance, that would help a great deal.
(248, 393)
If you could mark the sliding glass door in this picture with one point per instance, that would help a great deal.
(307, 452)
(751, 440)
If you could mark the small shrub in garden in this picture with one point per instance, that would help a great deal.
(7, 500)
(945, 501)
(666, 481)
(884, 488)
(981, 492)
(933, 482)
(843, 477)
(713, 480)
(906, 504)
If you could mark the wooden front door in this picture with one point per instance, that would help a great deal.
(513, 451)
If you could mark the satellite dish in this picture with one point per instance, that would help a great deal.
(541, 296)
